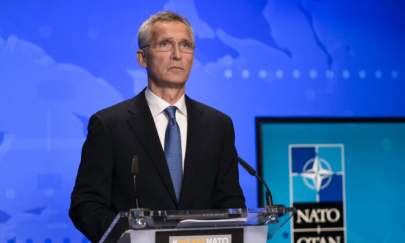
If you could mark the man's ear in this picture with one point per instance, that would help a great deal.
(141, 57)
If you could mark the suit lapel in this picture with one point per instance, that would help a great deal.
(144, 128)
(195, 131)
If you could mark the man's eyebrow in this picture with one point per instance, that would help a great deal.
(165, 39)
(172, 39)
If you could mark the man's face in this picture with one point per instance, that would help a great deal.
(167, 59)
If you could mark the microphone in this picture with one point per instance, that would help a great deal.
(251, 171)
(136, 216)
(135, 172)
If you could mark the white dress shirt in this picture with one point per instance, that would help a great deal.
(157, 106)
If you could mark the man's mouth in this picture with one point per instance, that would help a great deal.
(176, 68)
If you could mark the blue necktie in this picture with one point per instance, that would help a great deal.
(173, 150)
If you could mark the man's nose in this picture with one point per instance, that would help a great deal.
(176, 53)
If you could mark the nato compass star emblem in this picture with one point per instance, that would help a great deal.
(317, 173)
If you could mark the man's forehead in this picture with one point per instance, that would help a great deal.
(166, 28)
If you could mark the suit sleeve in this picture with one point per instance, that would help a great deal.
(90, 208)
(228, 193)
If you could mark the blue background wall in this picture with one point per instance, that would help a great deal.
(60, 61)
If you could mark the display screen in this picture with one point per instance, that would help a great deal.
(344, 176)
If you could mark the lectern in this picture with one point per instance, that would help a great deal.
(199, 226)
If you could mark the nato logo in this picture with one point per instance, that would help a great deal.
(317, 190)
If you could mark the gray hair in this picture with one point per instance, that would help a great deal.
(144, 32)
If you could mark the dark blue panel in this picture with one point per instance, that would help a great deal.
(301, 156)
(332, 193)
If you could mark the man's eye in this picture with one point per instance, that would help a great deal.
(164, 44)
(186, 44)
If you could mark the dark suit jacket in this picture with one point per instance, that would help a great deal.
(104, 185)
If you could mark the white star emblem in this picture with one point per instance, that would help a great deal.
(317, 173)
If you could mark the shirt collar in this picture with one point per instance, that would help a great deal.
(157, 105)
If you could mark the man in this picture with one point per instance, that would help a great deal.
(186, 152)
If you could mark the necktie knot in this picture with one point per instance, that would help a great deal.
(171, 112)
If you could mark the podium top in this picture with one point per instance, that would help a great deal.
(159, 219)
(145, 219)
